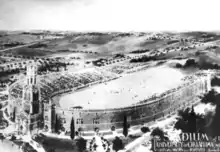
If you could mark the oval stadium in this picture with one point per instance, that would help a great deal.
(101, 97)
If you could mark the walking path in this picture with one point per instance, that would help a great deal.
(33, 143)
(11, 125)
(8, 146)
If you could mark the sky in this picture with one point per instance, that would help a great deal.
(110, 15)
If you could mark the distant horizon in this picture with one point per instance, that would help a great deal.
(111, 31)
(110, 15)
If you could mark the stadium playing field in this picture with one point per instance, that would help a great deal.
(126, 90)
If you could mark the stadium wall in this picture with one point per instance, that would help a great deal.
(104, 119)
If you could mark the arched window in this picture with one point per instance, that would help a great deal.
(79, 121)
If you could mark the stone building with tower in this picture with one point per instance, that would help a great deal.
(34, 104)
(28, 111)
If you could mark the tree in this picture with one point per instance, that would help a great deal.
(14, 115)
(192, 121)
(211, 97)
(125, 126)
(190, 63)
(113, 128)
(182, 120)
(189, 121)
(57, 124)
(160, 133)
(145, 129)
(81, 144)
(178, 65)
(117, 144)
(72, 129)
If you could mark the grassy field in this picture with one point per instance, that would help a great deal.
(125, 91)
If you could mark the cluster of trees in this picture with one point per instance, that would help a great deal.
(193, 63)
(81, 144)
(189, 121)
(154, 38)
(20, 56)
(119, 55)
(38, 45)
(77, 51)
(10, 72)
(207, 66)
(140, 51)
(215, 81)
(117, 144)
(145, 129)
(124, 34)
(208, 35)
(102, 61)
(52, 67)
(99, 62)
(159, 133)
(4, 82)
(189, 63)
(96, 33)
(212, 47)
(13, 44)
(144, 59)
(172, 41)
(30, 33)
(211, 97)
(26, 147)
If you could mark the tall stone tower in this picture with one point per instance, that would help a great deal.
(208, 80)
(30, 118)
(31, 92)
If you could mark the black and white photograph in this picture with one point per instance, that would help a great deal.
(109, 76)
